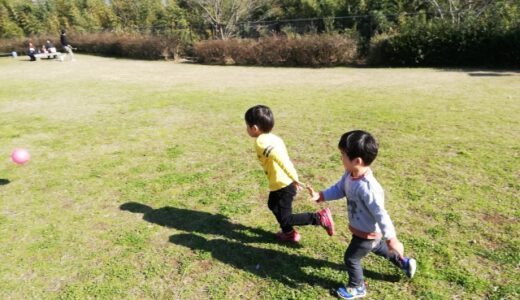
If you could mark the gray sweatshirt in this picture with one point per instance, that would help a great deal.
(367, 215)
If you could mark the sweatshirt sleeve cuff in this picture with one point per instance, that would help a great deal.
(321, 198)
(326, 195)
(389, 237)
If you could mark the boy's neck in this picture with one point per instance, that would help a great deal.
(260, 133)
(359, 171)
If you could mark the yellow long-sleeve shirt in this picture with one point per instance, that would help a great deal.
(275, 161)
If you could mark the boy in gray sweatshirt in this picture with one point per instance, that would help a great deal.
(371, 227)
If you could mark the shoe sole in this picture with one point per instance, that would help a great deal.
(356, 296)
(296, 240)
(330, 229)
(413, 267)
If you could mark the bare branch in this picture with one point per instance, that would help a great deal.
(225, 15)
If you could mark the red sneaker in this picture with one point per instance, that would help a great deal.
(292, 236)
(326, 221)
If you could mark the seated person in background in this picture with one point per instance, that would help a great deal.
(31, 52)
(50, 47)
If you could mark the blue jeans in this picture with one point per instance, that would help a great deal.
(359, 248)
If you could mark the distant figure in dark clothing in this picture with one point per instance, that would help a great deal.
(65, 44)
(63, 39)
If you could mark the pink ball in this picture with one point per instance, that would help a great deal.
(20, 156)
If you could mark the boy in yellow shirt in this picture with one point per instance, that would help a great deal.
(282, 176)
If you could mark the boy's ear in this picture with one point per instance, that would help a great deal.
(358, 161)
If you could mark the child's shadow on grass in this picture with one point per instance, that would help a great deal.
(4, 181)
(380, 276)
(288, 269)
(284, 267)
(200, 222)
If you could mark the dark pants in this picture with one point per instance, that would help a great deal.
(280, 203)
(359, 248)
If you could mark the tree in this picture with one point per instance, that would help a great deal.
(8, 28)
(100, 16)
(226, 15)
(459, 9)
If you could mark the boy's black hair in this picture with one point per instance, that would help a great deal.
(261, 116)
(359, 143)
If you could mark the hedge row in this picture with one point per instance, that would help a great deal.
(131, 46)
(310, 51)
(438, 44)
(107, 44)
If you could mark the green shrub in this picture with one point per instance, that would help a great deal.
(440, 43)
(9, 29)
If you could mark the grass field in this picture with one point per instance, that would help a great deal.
(143, 182)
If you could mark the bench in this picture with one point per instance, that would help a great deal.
(49, 55)
(13, 54)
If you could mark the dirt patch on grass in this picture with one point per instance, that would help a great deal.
(496, 219)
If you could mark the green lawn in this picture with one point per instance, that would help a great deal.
(143, 182)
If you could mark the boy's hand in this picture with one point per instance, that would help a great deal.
(395, 246)
(298, 185)
(315, 196)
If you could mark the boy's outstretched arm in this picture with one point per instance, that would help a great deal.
(315, 196)
(337, 191)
